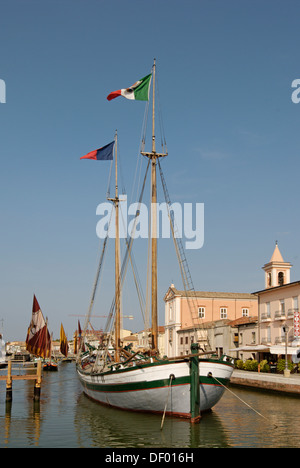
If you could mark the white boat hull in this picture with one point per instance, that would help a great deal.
(147, 388)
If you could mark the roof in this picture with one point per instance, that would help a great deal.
(276, 260)
(160, 329)
(276, 257)
(278, 287)
(205, 325)
(211, 294)
(243, 321)
(130, 338)
(220, 323)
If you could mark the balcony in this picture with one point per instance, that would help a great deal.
(291, 313)
(280, 340)
(265, 317)
(265, 341)
(280, 315)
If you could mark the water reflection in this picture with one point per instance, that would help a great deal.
(109, 427)
(65, 417)
(244, 428)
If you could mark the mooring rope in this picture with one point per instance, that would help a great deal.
(163, 418)
(253, 409)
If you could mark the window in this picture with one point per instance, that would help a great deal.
(295, 302)
(201, 312)
(181, 340)
(268, 309)
(186, 340)
(269, 279)
(280, 278)
(223, 312)
(172, 311)
(282, 307)
(245, 312)
(253, 338)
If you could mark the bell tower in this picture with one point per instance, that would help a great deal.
(277, 271)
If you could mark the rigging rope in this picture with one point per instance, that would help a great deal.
(257, 412)
(96, 282)
(183, 264)
(126, 256)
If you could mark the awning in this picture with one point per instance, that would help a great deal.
(281, 349)
(253, 348)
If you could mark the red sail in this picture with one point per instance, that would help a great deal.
(38, 341)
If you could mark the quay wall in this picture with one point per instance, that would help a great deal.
(274, 382)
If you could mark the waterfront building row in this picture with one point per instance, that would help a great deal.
(263, 324)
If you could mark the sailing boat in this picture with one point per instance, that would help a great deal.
(183, 386)
(38, 340)
(3, 360)
(63, 346)
(50, 365)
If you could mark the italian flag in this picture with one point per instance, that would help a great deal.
(139, 91)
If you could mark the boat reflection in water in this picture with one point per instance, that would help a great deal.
(109, 427)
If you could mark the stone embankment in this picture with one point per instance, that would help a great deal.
(266, 381)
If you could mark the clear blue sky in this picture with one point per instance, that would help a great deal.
(224, 70)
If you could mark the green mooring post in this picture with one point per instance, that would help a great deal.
(195, 388)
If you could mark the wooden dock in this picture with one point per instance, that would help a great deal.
(37, 377)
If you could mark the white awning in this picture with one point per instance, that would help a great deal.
(253, 348)
(281, 349)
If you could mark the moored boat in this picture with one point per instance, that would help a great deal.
(183, 386)
(3, 359)
(39, 340)
(50, 366)
(145, 386)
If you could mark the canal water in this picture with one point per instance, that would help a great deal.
(65, 418)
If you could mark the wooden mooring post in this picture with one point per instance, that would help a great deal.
(38, 382)
(9, 383)
(10, 377)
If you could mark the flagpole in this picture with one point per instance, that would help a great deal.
(154, 319)
(153, 156)
(117, 260)
(115, 201)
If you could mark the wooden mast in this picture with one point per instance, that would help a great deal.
(153, 156)
(115, 200)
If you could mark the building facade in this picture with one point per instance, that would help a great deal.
(189, 316)
(278, 306)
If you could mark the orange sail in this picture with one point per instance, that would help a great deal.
(63, 342)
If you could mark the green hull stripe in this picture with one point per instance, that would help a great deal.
(144, 385)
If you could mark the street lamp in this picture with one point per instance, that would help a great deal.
(286, 370)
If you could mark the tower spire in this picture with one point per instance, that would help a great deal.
(277, 271)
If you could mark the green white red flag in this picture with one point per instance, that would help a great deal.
(139, 91)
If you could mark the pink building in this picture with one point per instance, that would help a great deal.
(192, 310)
